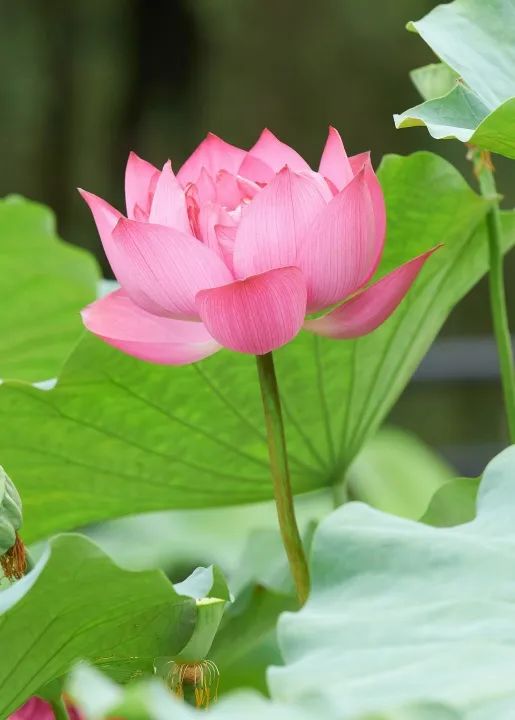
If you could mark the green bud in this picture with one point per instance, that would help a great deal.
(13, 560)
(11, 517)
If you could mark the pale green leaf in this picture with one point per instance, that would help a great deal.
(98, 699)
(401, 612)
(476, 41)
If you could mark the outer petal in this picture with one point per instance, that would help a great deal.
(165, 266)
(372, 306)
(140, 179)
(213, 154)
(169, 202)
(106, 218)
(258, 314)
(124, 325)
(274, 153)
(340, 247)
(358, 162)
(274, 224)
(334, 163)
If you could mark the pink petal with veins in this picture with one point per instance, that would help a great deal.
(122, 324)
(256, 315)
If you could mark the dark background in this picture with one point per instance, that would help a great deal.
(84, 81)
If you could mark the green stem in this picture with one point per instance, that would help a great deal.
(484, 171)
(281, 475)
(59, 708)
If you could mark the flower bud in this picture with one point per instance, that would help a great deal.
(12, 551)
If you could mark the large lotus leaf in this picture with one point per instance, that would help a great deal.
(117, 436)
(402, 612)
(382, 475)
(45, 283)
(77, 603)
(473, 100)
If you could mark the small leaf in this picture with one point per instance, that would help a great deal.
(453, 503)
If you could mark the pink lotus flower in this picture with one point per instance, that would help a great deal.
(37, 709)
(237, 248)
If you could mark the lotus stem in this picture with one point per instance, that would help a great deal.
(59, 708)
(484, 171)
(281, 475)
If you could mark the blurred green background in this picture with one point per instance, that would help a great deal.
(85, 81)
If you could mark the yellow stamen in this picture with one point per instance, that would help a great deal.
(202, 676)
(14, 561)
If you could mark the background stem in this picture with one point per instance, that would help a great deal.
(484, 170)
(281, 475)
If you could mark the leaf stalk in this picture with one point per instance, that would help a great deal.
(484, 170)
